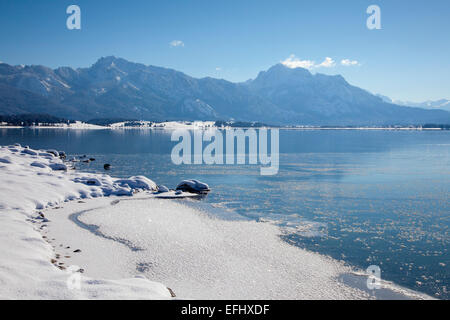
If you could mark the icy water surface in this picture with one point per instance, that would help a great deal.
(365, 197)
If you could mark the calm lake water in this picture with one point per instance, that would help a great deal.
(364, 197)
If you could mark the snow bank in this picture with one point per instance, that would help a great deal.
(138, 182)
(184, 124)
(83, 125)
(31, 180)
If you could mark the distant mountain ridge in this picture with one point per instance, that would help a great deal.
(116, 88)
(441, 104)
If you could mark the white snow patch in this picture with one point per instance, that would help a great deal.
(46, 85)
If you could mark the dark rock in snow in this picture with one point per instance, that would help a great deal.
(53, 152)
(162, 189)
(93, 182)
(172, 294)
(193, 186)
(58, 166)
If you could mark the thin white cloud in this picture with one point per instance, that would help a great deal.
(294, 62)
(176, 43)
(327, 63)
(349, 63)
(218, 68)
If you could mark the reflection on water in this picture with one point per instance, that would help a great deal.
(365, 197)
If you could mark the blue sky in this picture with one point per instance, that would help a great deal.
(407, 59)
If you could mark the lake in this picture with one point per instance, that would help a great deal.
(367, 197)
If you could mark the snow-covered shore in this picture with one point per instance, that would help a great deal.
(30, 181)
(79, 125)
(204, 125)
(127, 243)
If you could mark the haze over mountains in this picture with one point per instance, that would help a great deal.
(116, 88)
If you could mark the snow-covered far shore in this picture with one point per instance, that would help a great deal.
(74, 125)
(134, 246)
(79, 125)
(206, 125)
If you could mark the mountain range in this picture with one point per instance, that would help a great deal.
(441, 104)
(116, 88)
